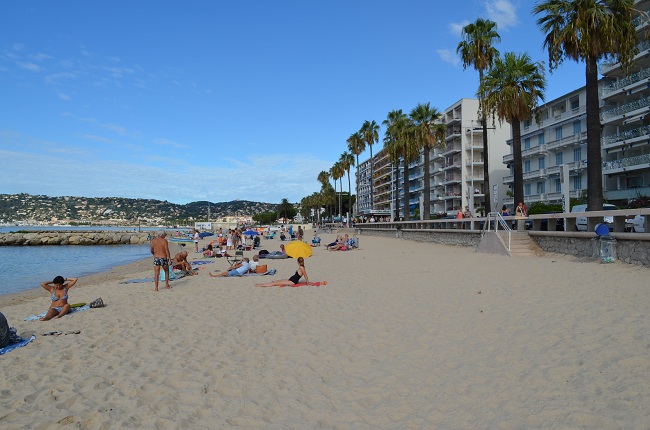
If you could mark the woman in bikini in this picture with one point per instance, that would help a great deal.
(58, 289)
(300, 273)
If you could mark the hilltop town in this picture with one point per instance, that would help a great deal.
(68, 210)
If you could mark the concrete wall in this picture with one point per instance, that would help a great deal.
(631, 248)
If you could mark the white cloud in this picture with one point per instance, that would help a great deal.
(456, 28)
(168, 142)
(64, 97)
(448, 56)
(503, 12)
(30, 66)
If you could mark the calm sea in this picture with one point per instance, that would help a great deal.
(25, 267)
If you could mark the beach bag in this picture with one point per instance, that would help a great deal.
(262, 269)
(97, 303)
(171, 274)
(263, 252)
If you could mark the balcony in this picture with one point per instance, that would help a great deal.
(508, 179)
(626, 164)
(622, 83)
(508, 158)
(451, 180)
(474, 177)
(610, 67)
(453, 133)
(470, 163)
(450, 150)
(535, 174)
(624, 109)
(535, 150)
(633, 135)
(569, 141)
(453, 166)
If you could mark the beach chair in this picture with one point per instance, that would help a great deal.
(238, 257)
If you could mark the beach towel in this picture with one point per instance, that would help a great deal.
(200, 262)
(304, 284)
(72, 311)
(12, 346)
(268, 272)
(145, 280)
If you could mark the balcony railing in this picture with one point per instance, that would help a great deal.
(621, 83)
(539, 149)
(640, 48)
(628, 107)
(569, 140)
(629, 134)
(626, 162)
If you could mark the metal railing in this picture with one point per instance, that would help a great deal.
(495, 219)
(628, 107)
(629, 134)
(635, 77)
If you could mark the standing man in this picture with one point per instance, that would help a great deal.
(196, 240)
(161, 258)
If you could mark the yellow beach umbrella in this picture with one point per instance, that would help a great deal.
(297, 248)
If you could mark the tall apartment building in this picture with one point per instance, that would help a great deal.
(457, 169)
(558, 138)
(625, 105)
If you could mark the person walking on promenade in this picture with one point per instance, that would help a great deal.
(161, 258)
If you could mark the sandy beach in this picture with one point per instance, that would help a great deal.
(405, 335)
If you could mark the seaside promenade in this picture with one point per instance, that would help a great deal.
(406, 335)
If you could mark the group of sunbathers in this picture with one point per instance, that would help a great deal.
(342, 243)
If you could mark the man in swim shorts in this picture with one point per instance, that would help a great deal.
(161, 258)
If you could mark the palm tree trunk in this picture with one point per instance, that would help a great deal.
(396, 179)
(349, 194)
(372, 182)
(427, 186)
(517, 160)
(407, 191)
(594, 156)
(487, 192)
(356, 173)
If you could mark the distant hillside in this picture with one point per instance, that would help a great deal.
(39, 208)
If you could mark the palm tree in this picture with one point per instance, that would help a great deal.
(336, 173)
(476, 50)
(370, 132)
(347, 161)
(286, 208)
(402, 132)
(391, 143)
(356, 146)
(512, 89)
(589, 30)
(424, 120)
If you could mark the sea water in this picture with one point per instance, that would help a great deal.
(25, 267)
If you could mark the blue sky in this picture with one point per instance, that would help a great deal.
(216, 100)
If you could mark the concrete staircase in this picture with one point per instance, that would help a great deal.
(523, 246)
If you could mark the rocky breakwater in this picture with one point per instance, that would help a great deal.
(37, 238)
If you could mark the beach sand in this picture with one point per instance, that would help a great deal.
(405, 335)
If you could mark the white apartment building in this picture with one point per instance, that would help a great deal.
(625, 136)
(457, 169)
(559, 138)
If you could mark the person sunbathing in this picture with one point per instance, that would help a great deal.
(342, 245)
(58, 289)
(293, 280)
(338, 241)
(179, 262)
(209, 252)
(236, 270)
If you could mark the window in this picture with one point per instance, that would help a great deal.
(577, 182)
(541, 187)
(540, 139)
(577, 154)
(577, 128)
(575, 102)
(558, 159)
(526, 166)
(526, 123)
(526, 189)
(527, 143)
(558, 133)
(558, 186)
(541, 162)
